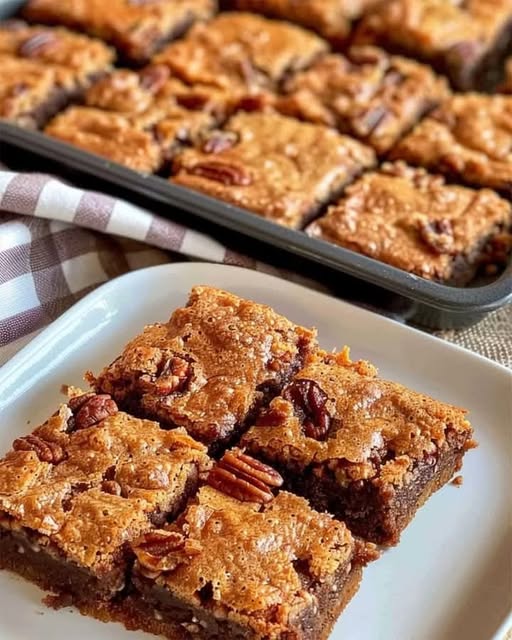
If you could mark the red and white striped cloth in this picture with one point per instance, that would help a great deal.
(58, 242)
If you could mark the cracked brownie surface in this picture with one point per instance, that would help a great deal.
(415, 221)
(368, 94)
(262, 569)
(210, 366)
(83, 484)
(136, 28)
(358, 445)
(275, 166)
(241, 52)
(469, 137)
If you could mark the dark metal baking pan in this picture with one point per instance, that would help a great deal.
(428, 303)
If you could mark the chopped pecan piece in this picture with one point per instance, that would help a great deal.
(309, 402)
(112, 487)
(162, 550)
(92, 410)
(37, 44)
(228, 174)
(154, 77)
(45, 451)
(174, 376)
(220, 141)
(244, 478)
(437, 234)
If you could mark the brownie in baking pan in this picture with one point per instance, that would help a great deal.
(242, 562)
(241, 52)
(330, 18)
(273, 165)
(417, 222)
(366, 93)
(369, 451)
(140, 119)
(465, 40)
(136, 28)
(44, 68)
(210, 367)
(76, 490)
(468, 138)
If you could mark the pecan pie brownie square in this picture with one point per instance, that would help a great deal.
(468, 138)
(330, 18)
(136, 28)
(367, 93)
(44, 68)
(413, 220)
(241, 52)
(76, 490)
(240, 562)
(140, 119)
(367, 450)
(210, 367)
(465, 40)
(272, 165)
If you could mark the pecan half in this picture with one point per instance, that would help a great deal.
(309, 402)
(228, 174)
(76, 402)
(154, 77)
(437, 234)
(38, 44)
(45, 451)
(244, 478)
(220, 141)
(162, 550)
(93, 410)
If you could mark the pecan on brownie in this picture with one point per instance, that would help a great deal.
(464, 40)
(272, 165)
(367, 450)
(137, 28)
(75, 491)
(246, 564)
(208, 368)
(413, 220)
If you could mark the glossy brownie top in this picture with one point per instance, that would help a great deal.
(415, 221)
(241, 51)
(368, 93)
(273, 165)
(209, 365)
(254, 564)
(469, 136)
(91, 478)
(339, 413)
(460, 30)
(135, 27)
(55, 46)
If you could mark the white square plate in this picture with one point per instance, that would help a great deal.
(450, 577)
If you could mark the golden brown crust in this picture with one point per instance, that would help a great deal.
(85, 490)
(457, 36)
(413, 220)
(375, 428)
(240, 51)
(468, 137)
(135, 28)
(277, 167)
(330, 18)
(255, 563)
(209, 366)
(368, 94)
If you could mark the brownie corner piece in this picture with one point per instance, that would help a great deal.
(428, 227)
(76, 490)
(209, 367)
(243, 562)
(367, 450)
(277, 167)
